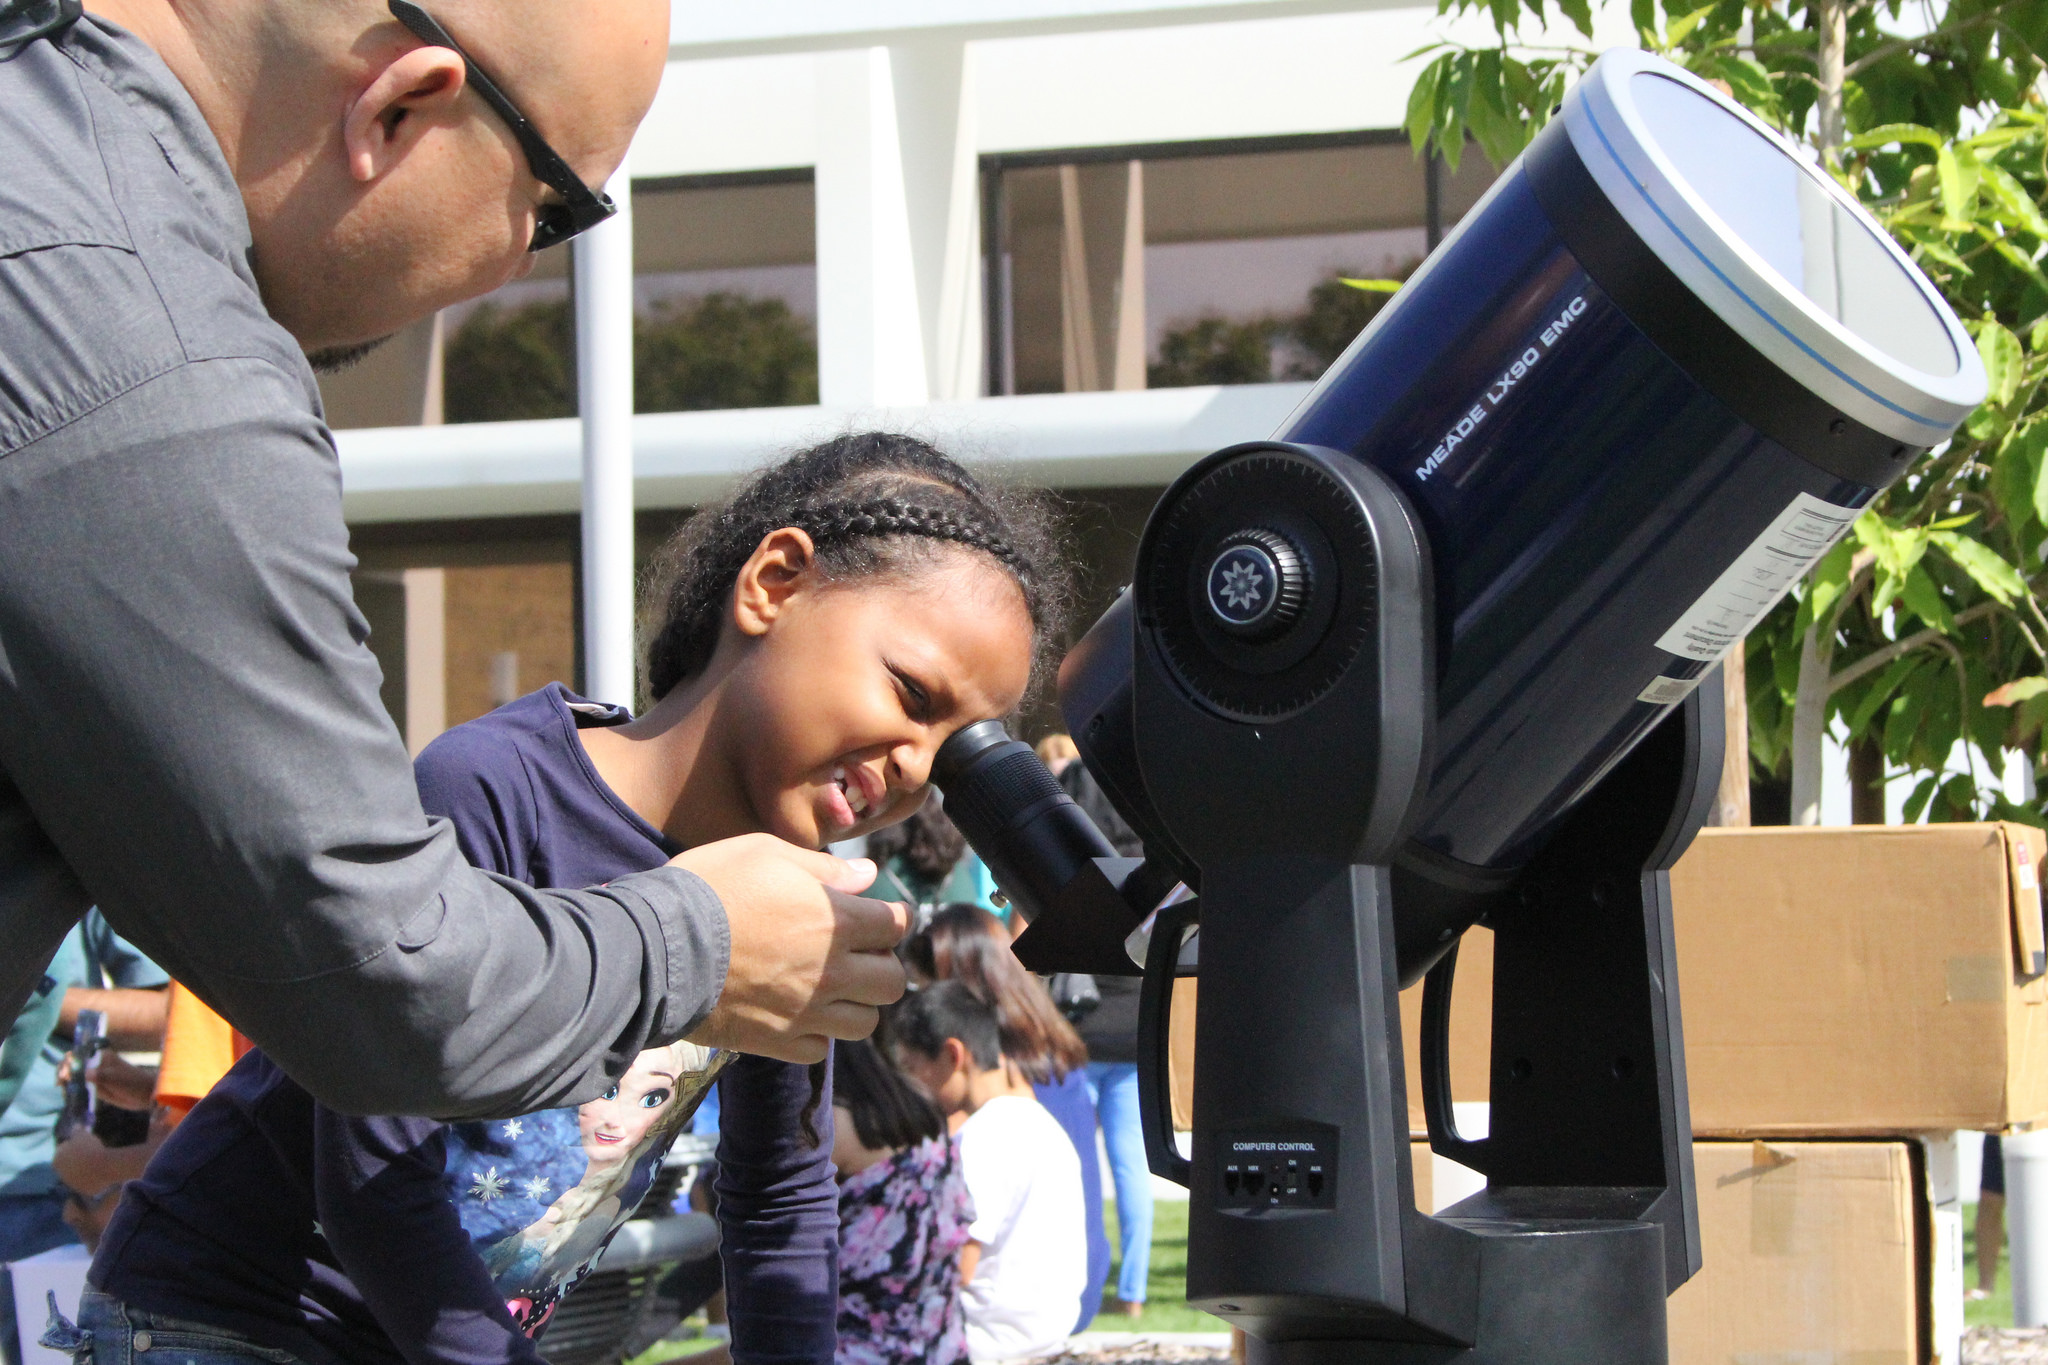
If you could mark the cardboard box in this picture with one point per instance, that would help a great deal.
(1813, 1252)
(1836, 982)
(1868, 980)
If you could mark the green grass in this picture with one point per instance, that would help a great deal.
(1166, 1294)
(1166, 1301)
(1995, 1311)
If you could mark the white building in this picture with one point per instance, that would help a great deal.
(1025, 234)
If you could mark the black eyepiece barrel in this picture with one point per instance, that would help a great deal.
(1033, 837)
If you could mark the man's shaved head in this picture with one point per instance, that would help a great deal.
(380, 187)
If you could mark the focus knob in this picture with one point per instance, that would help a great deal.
(1257, 583)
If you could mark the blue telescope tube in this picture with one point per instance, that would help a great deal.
(1648, 382)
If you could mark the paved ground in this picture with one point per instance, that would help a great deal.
(1156, 1348)
(2005, 1346)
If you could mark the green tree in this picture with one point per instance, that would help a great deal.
(1219, 350)
(1924, 628)
(719, 351)
(1215, 350)
(1338, 310)
(723, 351)
(504, 364)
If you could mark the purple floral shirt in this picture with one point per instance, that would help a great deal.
(902, 1223)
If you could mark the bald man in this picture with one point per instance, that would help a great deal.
(197, 198)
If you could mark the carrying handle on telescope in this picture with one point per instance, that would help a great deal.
(1436, 1068)
(1155, 1011)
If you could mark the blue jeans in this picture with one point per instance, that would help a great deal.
(1114, 1086)
(109, 1332)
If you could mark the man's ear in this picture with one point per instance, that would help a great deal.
(960, 1059)
(399, 104)
(776, 571)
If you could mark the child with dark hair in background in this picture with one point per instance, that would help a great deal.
(966, 943)
(903, 1217)
(1022, 1270)
(923, 861)
(820, 636)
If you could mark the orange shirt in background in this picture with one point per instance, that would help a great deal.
(199, 1047)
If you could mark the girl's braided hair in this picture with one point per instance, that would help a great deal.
(873, 503)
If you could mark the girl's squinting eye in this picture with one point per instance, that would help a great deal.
(654, 1099)
(917, 700)
(610, 1094)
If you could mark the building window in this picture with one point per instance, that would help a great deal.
(1202, 263)
(726, 300)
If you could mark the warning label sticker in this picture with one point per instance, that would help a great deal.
(1807, 529)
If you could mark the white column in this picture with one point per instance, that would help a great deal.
(899, 225)
(2026, 1224)
(604, 395)
(1945, 1249)
(935, 125)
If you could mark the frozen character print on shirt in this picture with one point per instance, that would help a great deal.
(541, 1195)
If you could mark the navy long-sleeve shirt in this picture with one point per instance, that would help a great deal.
(339, 1238)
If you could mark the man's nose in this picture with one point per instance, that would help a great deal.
(527, 261)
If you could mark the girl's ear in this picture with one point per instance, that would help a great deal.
(776, 572)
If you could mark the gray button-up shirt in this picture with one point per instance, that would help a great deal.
(190, 731)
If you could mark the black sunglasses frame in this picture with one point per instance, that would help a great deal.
(582, 208)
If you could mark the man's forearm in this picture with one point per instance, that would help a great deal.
(135, 1018)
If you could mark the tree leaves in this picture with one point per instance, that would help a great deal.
(2017, 691)
(1999, 349)
(1946, 150)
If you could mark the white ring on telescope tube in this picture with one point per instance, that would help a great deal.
(1916, 403)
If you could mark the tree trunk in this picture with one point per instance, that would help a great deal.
(1809, 727)
(1866, 782)
(1831, 18)
(1731, 803)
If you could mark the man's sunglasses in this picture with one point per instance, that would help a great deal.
(582, 208)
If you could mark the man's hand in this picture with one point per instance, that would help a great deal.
(811, 961)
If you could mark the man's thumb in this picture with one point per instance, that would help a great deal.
(851, 875)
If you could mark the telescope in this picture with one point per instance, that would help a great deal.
(1445, 652)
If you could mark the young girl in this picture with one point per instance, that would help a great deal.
(903, 1217)
(818, 638)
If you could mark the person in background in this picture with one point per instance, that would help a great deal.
(923, 862)
(1021, 1272)
(38, 1018)
(1110, 1029)
(198, 1048)
(1056, 751)
(94, 969)
(966, 943)
(903, 1217)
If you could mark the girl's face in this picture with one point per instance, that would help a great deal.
(619, 1120)
(850, 688)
